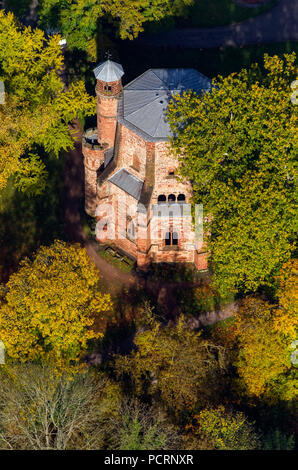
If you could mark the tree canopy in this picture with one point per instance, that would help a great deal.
(264, 355)
(43, 410)
(78, 20)
(37, 107)
(238, 146)
(48, 307)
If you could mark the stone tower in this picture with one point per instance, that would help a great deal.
(97, 141)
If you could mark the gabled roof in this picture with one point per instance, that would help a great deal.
(128, 183)
(108, 71)
(145, 99)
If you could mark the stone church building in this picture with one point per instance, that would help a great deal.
(131, 186)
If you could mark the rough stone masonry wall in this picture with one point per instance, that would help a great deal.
(93, 158)
(144, 248)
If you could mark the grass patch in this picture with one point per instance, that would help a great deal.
(118, 260)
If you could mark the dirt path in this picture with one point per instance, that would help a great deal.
(280, 24)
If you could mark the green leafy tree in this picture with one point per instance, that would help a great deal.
(37, 107)
(277, 440)
(238, 146)
(217, 428)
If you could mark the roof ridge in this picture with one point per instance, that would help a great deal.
(159, 77)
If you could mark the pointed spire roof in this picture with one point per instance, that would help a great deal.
(108, 71)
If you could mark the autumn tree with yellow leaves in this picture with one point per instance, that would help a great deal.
(49, 306)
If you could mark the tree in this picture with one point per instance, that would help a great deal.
(43, 410)
(140, 427)
(78, 20)
(49, 307)
(37, 108)
(238, 146)
(217, 428)
(276, 440)
(174, 364)
(264, 355)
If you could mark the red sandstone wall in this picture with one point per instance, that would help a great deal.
(164, 183)
(131, 146)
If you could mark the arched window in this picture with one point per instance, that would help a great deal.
(171, 198)
(161, 198)
(181, 198)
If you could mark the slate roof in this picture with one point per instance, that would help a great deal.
(108, 71)
(108, 155)
(145, 99)
(128, 183)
